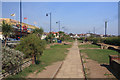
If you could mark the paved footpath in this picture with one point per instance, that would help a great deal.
(49, 71)
(72, 66)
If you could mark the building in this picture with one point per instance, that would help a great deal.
(56, 34)
(44, 35)
(25, 29)
(81, 35)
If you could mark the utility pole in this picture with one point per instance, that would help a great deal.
(20, 19)
(105, 28)
(20, 26)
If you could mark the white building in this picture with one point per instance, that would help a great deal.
(1, 36)
(88, 35)
(43, 36)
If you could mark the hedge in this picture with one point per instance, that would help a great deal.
(108, 40)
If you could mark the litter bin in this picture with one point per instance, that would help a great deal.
(59, 41)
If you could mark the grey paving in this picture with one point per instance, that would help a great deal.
(72, 66)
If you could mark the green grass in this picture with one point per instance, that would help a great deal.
(88, 46)
(60, 46)
(54, 54)
(99, 55)
(80, 41)
(71, 40)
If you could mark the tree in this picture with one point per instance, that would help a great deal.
(6, 30)
(38, 31)
(61, 33)
(51, 36)
(31, 46)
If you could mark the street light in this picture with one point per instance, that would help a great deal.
(20, 27)
(59, 24)
(20, 19)
(47, 14)
(63, 29)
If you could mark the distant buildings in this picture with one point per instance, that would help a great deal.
(56, 34)
(88, 35)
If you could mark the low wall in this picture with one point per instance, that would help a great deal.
(115, 63)
(25, 64)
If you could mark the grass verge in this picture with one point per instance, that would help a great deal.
(88, 46)
(72, 40)
(80, 41)
(54, 54)
(99, 55)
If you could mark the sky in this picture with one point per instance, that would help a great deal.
(61, 0)
(76, 17)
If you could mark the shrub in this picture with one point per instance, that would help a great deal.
(65, 38)
(107, 40)
(112, 41)
(31, 46)
(82, 38)
(11, 59)
(96, 40)
(38, 31)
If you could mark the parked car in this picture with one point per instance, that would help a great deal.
(10, 39)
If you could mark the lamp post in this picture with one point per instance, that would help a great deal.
(63, 29)
(20, 27)
(20, 19)
(58, 24)
(47, 14)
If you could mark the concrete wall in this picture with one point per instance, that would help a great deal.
(115, 64)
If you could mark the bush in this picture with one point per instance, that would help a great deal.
(82, 38)
(11, 59)
(93, 39)
(31, 46)
(108, 40)
(112, 41)
(65, 38)
(96, 40)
